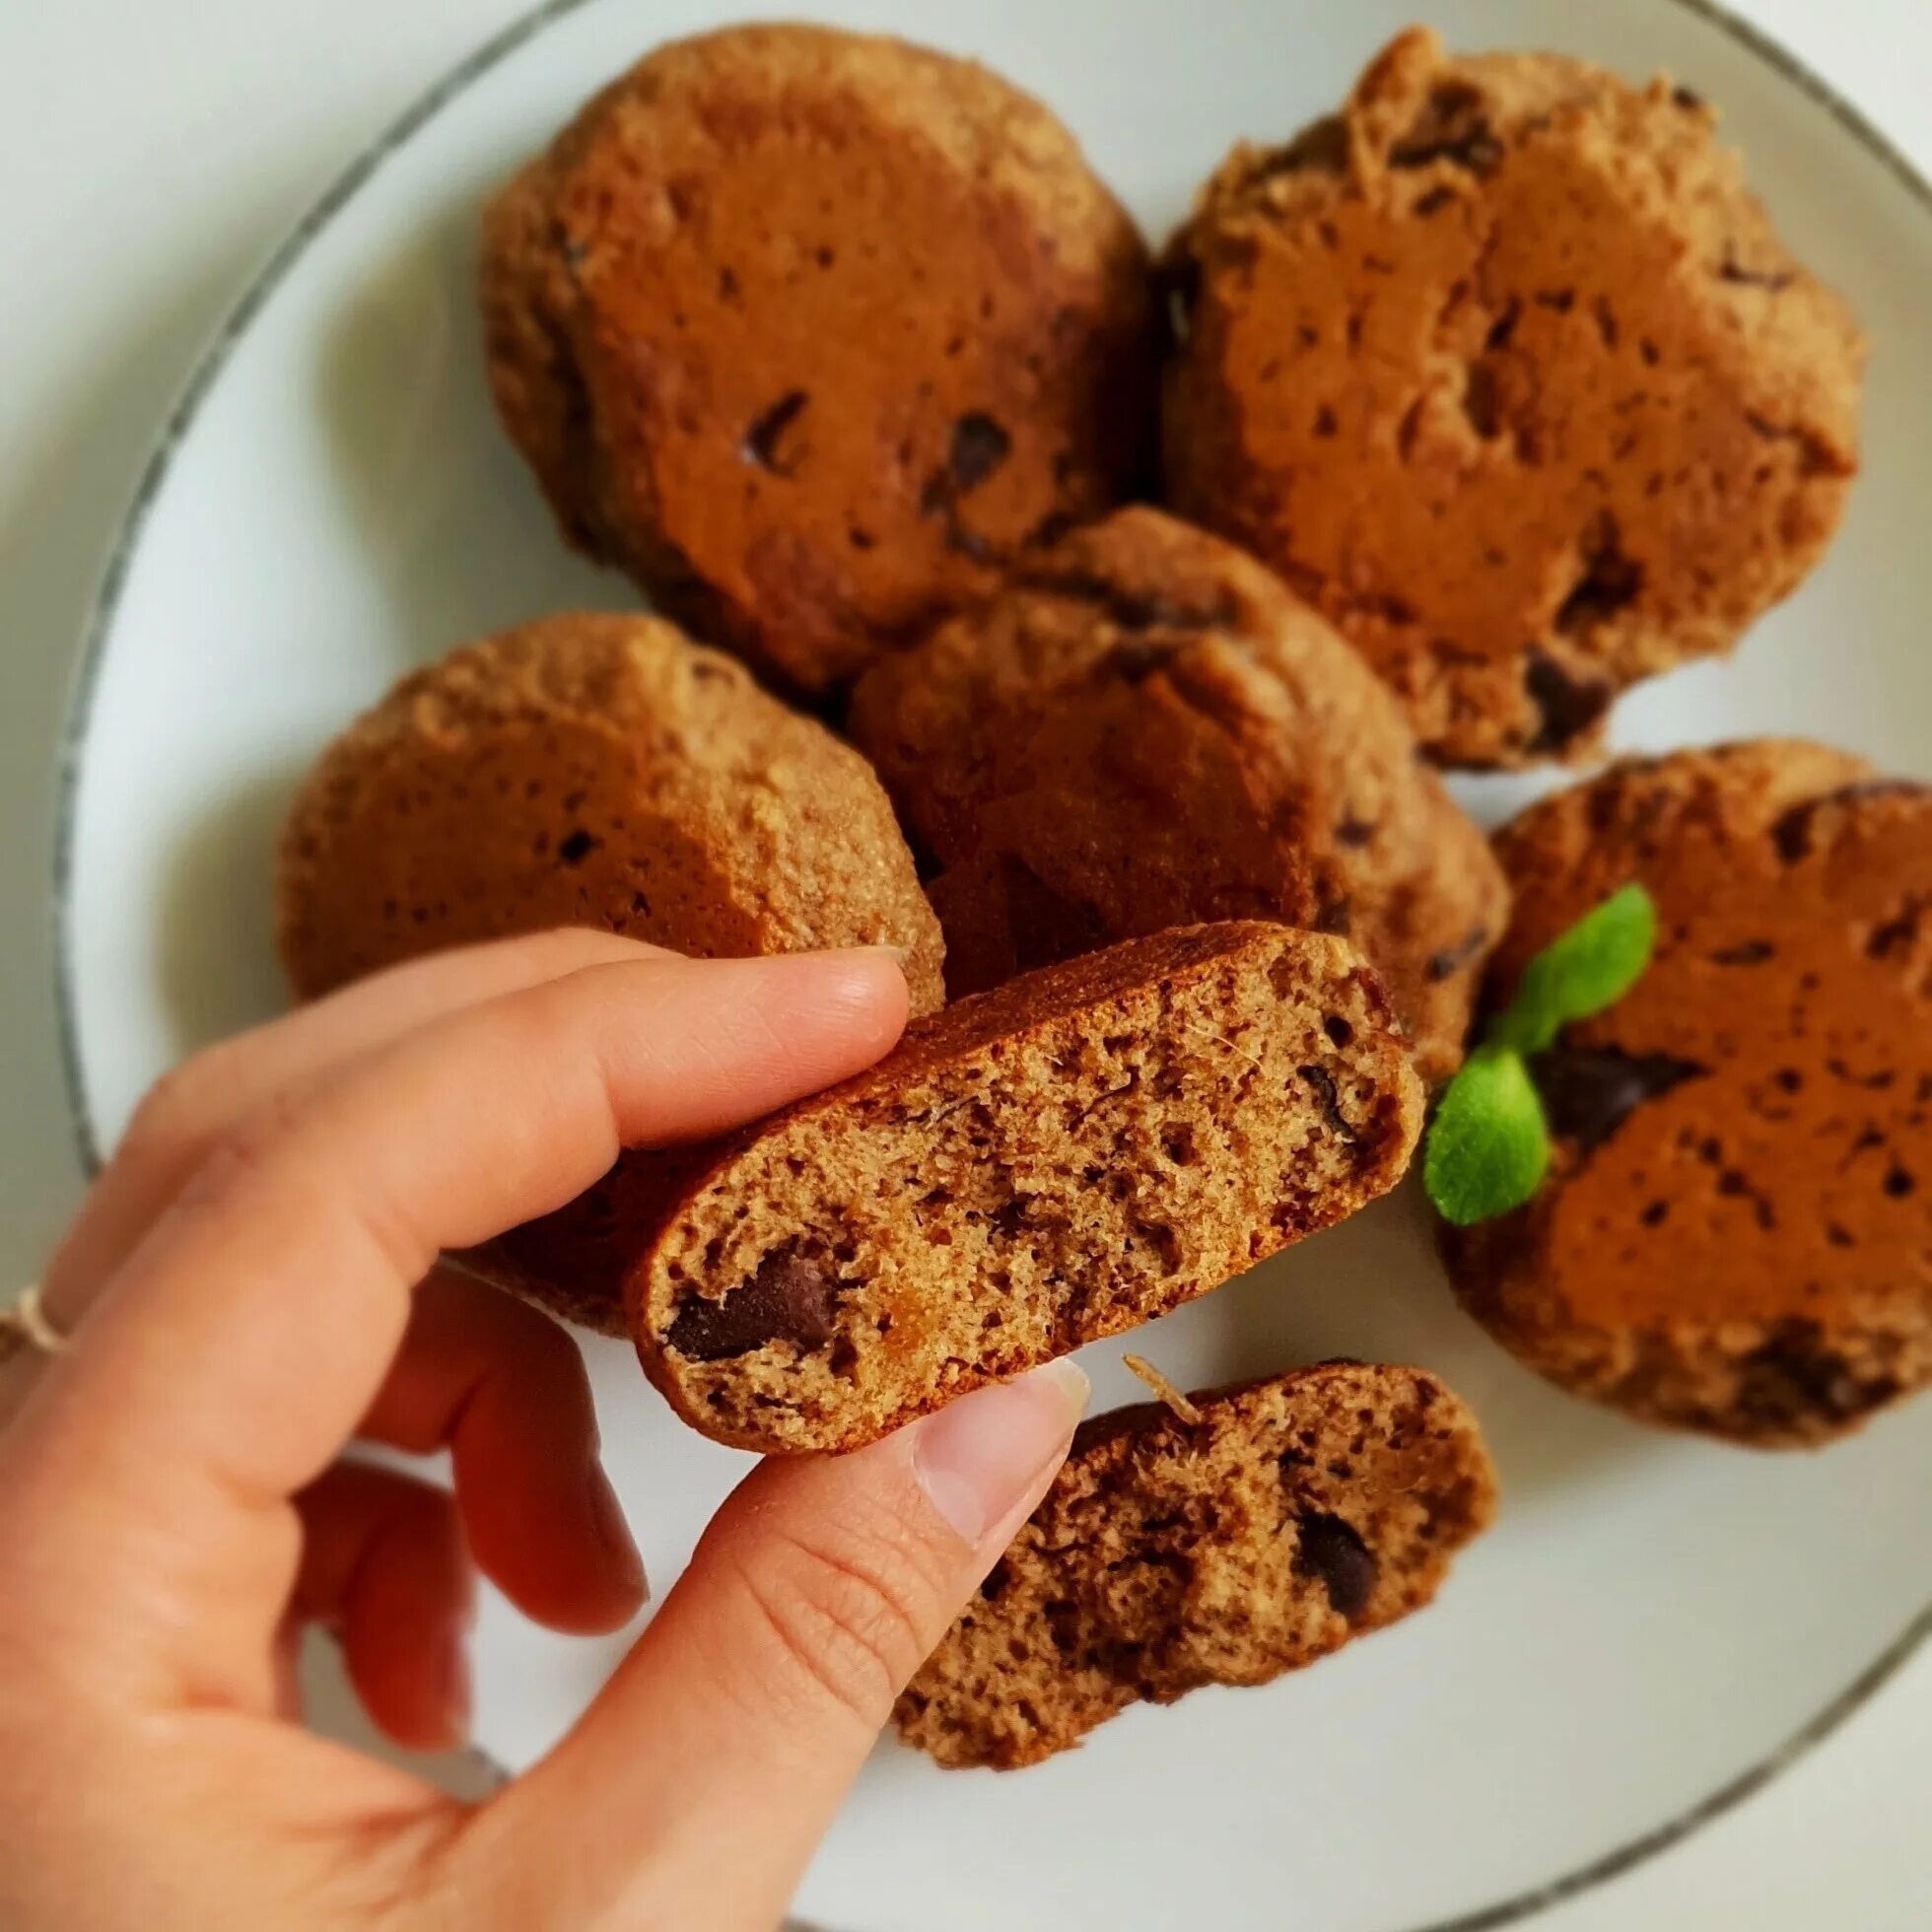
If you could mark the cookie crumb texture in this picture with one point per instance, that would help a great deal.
(1146, 730)
(811, 332)
(1296, 1514)
(593, 771)
(1033, 1168)
(1505, 370)
(1736, 1236)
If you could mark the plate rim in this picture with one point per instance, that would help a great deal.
(103, 612)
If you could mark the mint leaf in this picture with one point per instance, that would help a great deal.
(1591, 967)
(1488, 1146)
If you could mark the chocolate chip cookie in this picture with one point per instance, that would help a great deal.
(1736, 1233)
(1146, 730)
(809, 331)
(594, 771)
(1505, 370)
(1073, 1153)
(1288, 1517)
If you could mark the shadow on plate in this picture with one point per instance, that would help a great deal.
(451, 524)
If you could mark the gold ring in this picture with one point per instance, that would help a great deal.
(25, 1324)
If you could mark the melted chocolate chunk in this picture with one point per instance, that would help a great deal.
(789, 1299)
(1611, 580)
(1588, 1092)
(576, 847)
(1792, 834)
(1354, 832)
(1792, 1377)
(1747, 952)
(763, 441)
(980, 445)
(1333, 1552)
(1452, 127)
(1570, 705)
(1322, 1083)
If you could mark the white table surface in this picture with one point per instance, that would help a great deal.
(151, 153)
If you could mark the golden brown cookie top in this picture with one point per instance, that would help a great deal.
(1744, 1143)
(1146, 730)
(1504, 367)
(592, 770)
(810, 329)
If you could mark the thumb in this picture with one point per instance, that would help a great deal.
(697, 1787)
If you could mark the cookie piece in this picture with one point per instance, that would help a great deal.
(1505, 370)
(1736, 1233)
(1296, 1513)
(1067, 1156)
(594, 771)
(1146, 730)
(808, 331)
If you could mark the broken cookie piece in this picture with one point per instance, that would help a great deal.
(1032, 1168)
(1285, 1518)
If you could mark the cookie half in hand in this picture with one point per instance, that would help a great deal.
(1286, 1517)
(1032, 1168)
(1735, 1235)
(597, 770)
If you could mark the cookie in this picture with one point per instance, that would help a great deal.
(1505, 370)
(1288, 1517)
(1736, 1233)
(1146, 730)
(1067, 1156)
(593, 771)
(809, 331)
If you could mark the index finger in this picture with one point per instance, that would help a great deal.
(242, 1341)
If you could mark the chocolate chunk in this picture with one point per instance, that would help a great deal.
(1132, 609)
(1588, 1092)
(1687, 98)
(1322, 146)
(761, 441)
(1792, 1377)
(1354, 832)
(1447, 963)
(789, 1299)
(1899, 934)
(1747, 952)
(1333, 1552)
(1452, 127)
(1134, 662)
(1610, 581)
(1322, 1082)
(1793, 833)
(1570, 705)
(980, 445)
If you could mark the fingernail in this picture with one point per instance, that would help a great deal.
(897, 954)
(976, 1457)
(614, 1538)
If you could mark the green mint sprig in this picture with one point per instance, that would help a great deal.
(1489, 1145)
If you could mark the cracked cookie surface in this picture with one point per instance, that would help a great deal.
(1504, 368)
(1736, 1233)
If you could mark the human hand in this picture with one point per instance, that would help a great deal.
(251, 1284)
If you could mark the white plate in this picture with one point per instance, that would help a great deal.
(1656, 1624)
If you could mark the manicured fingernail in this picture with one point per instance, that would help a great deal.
(976, 1457)
(613, 1536)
